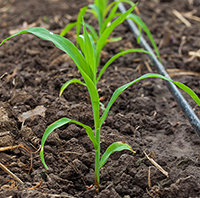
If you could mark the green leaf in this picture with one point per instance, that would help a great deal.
(108, 7)
(149, 75)
(127, 1)
(60, 42)
(98, 14)
(109, 18)
(79, 20)
(101, 4)
(89, 52)
(113, 13)
(114, 39)
(102, 40)
(70, 82)
(116, 146)
(80, 41)
(68, 28)
(139, 22)
(92, 32)
(73, 52)
(58, 124)
(77, 23)
(117, 56)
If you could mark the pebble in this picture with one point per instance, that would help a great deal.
(126, 196)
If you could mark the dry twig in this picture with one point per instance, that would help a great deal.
(4, 133)
(180, 16)
(19, 146)
(149, 193)
(149, 177)
(196, 54)
(10, 173)
(135, 131)
(193, 56)
(190, 15)
(157, 165)
(181, 72)
(148, 66)
(183, 41)
(36, 186)
(3, 75)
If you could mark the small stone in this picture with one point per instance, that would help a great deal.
(126, 196)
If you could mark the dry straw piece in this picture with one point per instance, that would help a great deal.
(180, 16)
(157, 165)
(11, 174)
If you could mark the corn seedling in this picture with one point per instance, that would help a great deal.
(86, 62)
(105, 14)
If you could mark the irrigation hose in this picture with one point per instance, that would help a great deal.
(185, 107)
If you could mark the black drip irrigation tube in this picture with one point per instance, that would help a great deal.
(185, 107)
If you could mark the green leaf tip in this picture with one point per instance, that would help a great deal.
(116, 146)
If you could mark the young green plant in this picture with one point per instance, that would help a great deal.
(86, 62)
(105, 13)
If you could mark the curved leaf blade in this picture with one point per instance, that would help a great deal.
(89, 52)
(101, 4)
(77, 23)
(98, 14)
(102, 40)
(69, 48)
(109, 18)
(149, 75)
(60, 42)
(68, 28)
(139, 22)
(79, 20)
(114, 39)
(58, 124)
(109, 6)
(93, 32)
(80, 41)
(117, 56)
(68, 83)
(116, 146)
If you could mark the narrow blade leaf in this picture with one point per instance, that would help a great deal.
(149, 75)
(60, 42)
(68, 28)
(117, 56)
(70, 82)
(89, 53)
(97, 11)
(69, 48)
(58, 124)
(79, 20)
(109, 18)
(93, 32)
(80, 41)
(116, 146)
(114, 39)
(139, 22)
(102, 40)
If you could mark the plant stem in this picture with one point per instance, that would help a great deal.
(97, 159)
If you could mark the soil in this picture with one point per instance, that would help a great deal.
(145, 115)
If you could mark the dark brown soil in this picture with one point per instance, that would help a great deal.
(145, 116)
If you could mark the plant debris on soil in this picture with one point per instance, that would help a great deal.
(145, 116)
